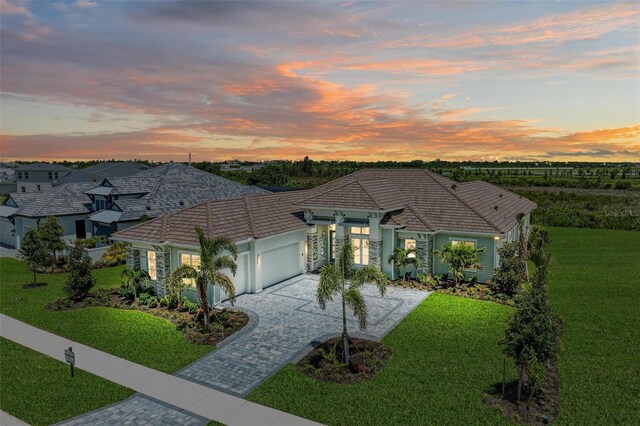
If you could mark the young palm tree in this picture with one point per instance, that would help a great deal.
(343, 280)
(401, 258)
(212, 262)
(134, 280)
(460, 257)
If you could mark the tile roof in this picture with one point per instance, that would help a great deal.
(98, 172)
(171, 187)
(428, 202)
(105, 216)
(60, 200)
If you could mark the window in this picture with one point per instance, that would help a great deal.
(151, 265)
(191, 260)
(50, 175)
(466, 243)
(360, 230)
(23, 189)
(55, 175)
(100, 204)
(361, 251)
(38, 187)
(26, 175)
(408, 245)
(19, 175)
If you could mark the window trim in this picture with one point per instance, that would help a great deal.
(192, 282)
(358, 253)
(153, 276)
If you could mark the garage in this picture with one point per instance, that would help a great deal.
(240, 281)
(6, 233)
(280, 264)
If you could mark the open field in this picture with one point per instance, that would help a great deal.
(133, 335)
(40, 391)
(445, 353)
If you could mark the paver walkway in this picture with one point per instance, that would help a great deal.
(288, 320)
(199, 401)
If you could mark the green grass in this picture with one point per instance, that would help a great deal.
(40, 391)
(595, 289)
(445, 353)
(136, 336)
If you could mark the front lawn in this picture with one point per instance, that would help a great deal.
(40, 391)
(134, 335)
(445, 354)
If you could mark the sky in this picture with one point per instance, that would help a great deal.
(456, 80)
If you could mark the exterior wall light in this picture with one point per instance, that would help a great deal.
(496, 238)
(258, 260)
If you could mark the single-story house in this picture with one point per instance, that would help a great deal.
(123, 202)
(282, 235)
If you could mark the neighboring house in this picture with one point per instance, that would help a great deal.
(38, 177)
(98, 172)
(23, 211)
(123, 202)
(285, 234)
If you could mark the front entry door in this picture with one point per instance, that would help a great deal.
(81, 232)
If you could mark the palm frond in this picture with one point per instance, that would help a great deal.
(345, 260)
(371, 275)
(226, 262)
(354, 299)
(329, 284)
(224, 282)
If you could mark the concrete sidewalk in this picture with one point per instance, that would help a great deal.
(7, 419)
(195, 398)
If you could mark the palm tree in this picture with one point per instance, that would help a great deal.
(460, 256)
(343, 280)
(401, 258)
(212, 262)
(134, 280)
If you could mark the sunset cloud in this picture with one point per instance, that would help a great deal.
(266, 80)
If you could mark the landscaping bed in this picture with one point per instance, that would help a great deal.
(185, 316)
(366, 359)
(471, 290)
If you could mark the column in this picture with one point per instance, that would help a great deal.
(375, 242)
(312, 248)
(132, 257)
(163, 270)
(424, 252)
(342, 236)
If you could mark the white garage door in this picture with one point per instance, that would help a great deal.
(242, 276)
(280, 264)
(5, 233)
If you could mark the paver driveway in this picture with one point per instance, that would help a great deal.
(287, 319)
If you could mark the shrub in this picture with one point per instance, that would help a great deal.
(188, 305)
(115, 255)
(91, 242)
(80, 278)
(148, 299)
(623, 185)
(133, 283)
(50, 232)
(473, 280)
(506, 278)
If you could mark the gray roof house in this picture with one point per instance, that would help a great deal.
(282, 235)
(99, 171)
(155, 192)
(89, 208)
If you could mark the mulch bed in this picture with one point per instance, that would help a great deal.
(324, 362)
(223, 322)
(542, 409)
(472, 291)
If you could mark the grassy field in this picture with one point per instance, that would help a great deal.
(445, 353)
(40, 391)
(133, 335)
(595, 289)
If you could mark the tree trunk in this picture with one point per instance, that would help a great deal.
(204, 303)
(345, 336)
(520, 382)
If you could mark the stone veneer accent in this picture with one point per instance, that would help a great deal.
(424, 252)
(312, 249)
(375, 253)
(339, 243)
(132, 257)
(163, 270)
